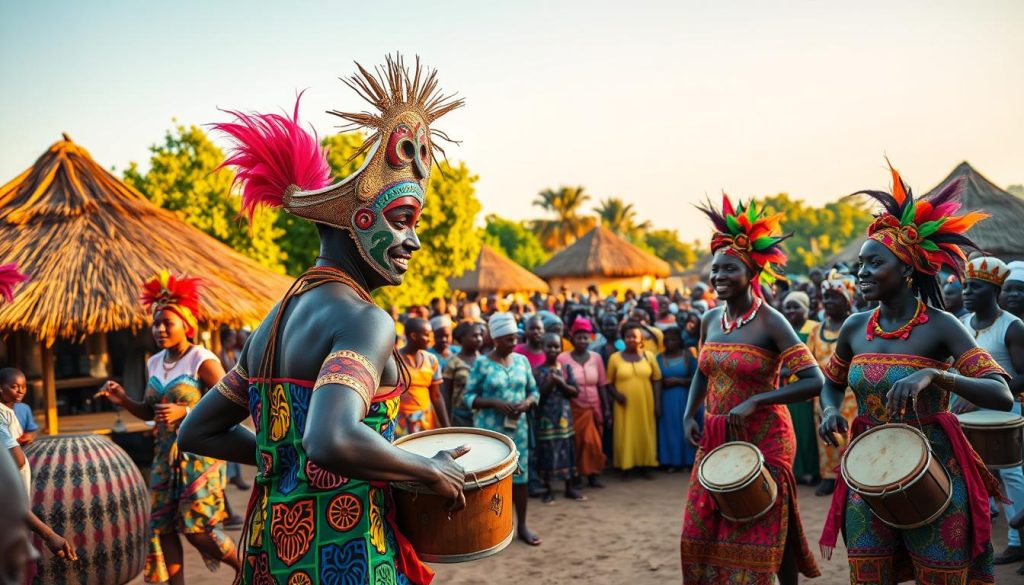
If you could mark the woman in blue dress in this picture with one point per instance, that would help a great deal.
(500, 389)
(677, 365)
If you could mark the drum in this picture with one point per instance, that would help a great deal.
(484, 527)
(996, 436)
(87, 489)
(736, 477)
(892, 467)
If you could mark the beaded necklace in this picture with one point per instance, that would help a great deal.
(919, 318)
(729, 327)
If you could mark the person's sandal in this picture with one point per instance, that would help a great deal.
(548, 498)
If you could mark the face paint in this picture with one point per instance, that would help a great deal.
(379, 236)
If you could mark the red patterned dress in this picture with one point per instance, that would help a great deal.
(718, 551)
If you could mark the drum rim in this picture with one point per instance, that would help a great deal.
(1010, 424)
(916, 473)
(473, 556)
(738, 484)
(494, 474)
(926, 521)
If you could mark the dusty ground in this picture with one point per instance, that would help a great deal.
(626, 533)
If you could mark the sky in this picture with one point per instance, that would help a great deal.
(659, 103)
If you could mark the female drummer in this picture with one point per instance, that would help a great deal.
(186, 490)
(743, 344)
(894, 358)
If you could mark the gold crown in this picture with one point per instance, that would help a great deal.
(988, 269)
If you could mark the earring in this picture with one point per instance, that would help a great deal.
(910, 281)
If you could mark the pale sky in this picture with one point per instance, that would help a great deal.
(658, 103)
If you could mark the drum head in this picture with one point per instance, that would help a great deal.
(488, 450)
(885, 455)
(990, 418)
(730, 464)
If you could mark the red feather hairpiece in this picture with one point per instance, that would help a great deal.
(10, 278)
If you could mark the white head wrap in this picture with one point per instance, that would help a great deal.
(1016, 270)
(440, 321)
(502, 324)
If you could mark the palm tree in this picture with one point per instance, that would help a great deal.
(620, 217)
(565, 203)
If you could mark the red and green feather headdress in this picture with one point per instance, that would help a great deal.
(747, 233)
(926, 234)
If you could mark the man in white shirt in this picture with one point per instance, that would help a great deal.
(10, 432)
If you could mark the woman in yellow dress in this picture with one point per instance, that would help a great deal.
(635, 383)
(422, 408)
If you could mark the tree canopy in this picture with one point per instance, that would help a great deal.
(667, 245)
(516, 240)
(566, 204)
(620, 217)
(818, 232)
(183, 178)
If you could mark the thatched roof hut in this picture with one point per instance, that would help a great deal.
(600, 257)
(996, 235)
(87, 241)
(495, 273)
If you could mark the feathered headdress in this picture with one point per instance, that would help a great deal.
(10, 278)
(844, 284)
(746, 233)
(177, 293)
(927, 233)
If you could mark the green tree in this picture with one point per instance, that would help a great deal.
(182, 177)
(446, 230)
(665, 244)
(516, 240)
(301, 243)
(818, 232)
(566, 204)
(620, 217)
(1017, 190)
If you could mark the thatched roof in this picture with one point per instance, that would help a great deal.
(996, 235)
(87, 241)
(494, 273)
(602, 253)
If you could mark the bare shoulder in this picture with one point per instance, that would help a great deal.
(944, 319)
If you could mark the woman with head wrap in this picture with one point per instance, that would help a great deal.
(589, 406)
(837, 293)
(896, 360)
(744, 342)
(500, 390)
(796, 306)
(470, 337)
(187, 491)
(441, 326)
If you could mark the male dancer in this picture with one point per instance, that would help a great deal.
(1002, 335)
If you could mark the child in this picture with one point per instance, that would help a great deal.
(556, 459)
(12, 392)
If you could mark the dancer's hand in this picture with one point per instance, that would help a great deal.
(449, 477)
(832, 423)
(738, 417)
(169, 413)
(963, 406)
(691, 430)
(904, 393)
(113, 392)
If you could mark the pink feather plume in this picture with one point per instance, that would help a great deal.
(10, 278)
(273, 152)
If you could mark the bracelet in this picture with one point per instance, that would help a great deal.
(946, 381)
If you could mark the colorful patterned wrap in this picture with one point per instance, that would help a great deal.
(715, 550)
(955, 548)
(88, 489)
(308, 525)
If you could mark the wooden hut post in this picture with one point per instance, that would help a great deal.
(49, 389)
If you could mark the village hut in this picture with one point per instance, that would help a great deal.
(603, 259)
(494, 273)
(996, 235)
(87, 241)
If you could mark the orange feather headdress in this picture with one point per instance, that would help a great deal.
(747, 233)
(177, 293)
(926, 234)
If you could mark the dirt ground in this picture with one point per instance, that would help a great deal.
(627, 533)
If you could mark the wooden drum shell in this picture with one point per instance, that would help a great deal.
(999, 446)
(911, 502)
(483, 528)
(746, 500)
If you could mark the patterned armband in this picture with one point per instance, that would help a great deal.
(976, 363)
(836, 369)
(351, 370)
(235, 386)
(797, 358)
